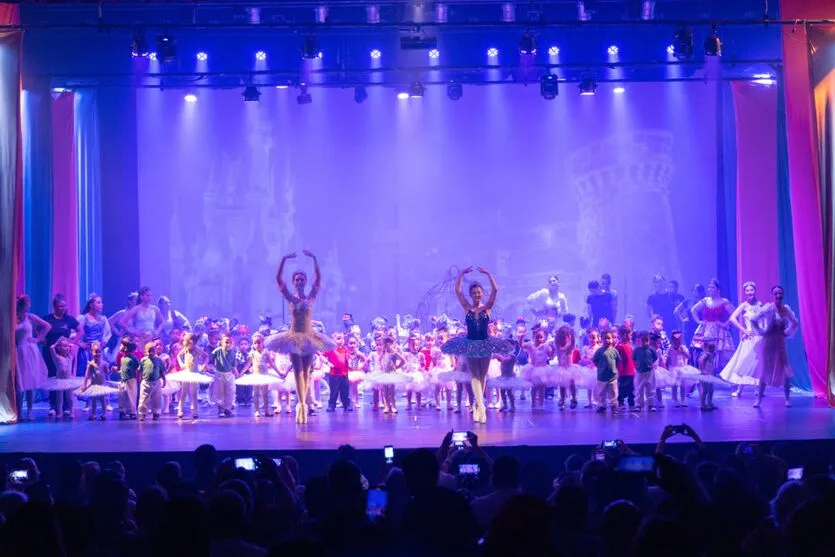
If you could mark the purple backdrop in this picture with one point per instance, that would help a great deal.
(392, 193)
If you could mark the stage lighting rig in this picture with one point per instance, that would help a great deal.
(416, 90)
(251, 94)
(549, 87)
(304, 96)
(713, 44)
(588, 86)
(527, 44)
(360, 94)
(166, 49)
(683, 43)
(454, 91)
(585, 10)
(310, 49)
(139, 46)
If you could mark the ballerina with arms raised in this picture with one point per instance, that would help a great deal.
(301, 342)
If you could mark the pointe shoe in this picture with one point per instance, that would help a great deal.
(788, 403)
(757, 403)
(299, 413)
(305, 409)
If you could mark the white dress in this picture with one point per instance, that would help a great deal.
(744, 367)
(31, 367)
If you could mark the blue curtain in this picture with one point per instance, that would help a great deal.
(37, 195)
(785, 246)
(85, 115)
(726, 191)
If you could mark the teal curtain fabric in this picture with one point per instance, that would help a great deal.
(726, 192)
(785, 247)
(88, 181)
(37, 195)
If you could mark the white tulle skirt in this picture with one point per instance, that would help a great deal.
(258, 380)
(382, 378)
(356, 376)
(744, 367)
(507, 382)
(69, 384)
(190, 377)
(685, 374)
(454, 377)
(538, 376)
(96, 390)
(585, 377)
(417, 381)
(664, 378)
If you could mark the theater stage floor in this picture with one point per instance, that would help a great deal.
(734, 420)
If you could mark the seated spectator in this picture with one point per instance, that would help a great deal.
(505, 483)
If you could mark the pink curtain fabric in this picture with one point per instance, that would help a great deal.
(805, 189)
(65, 203)
(11, 205)
(755, 109)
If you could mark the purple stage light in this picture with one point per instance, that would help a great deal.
(492, 52)
(553, 51)
(202, 56)
(612, 50)
(619, 90)
(375, 54)
(190, 98)
(403, 96)
(152, 56)
(671, 49)
(260, 55)
(434, 53)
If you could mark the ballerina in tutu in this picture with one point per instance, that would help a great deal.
(93, 386)
(259, 366)
(507, 380)
(567, 372)
(61, 386)
(441, 363)
(388, 377)
(743, 369)
(356, 367)
(776, 322)
(478, 346)
(301, 342)
(538, 372)
(414, 359)
(31, 367)
(677, 363)
(189, 360)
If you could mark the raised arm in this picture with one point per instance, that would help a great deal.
(458, 289)
(494, 288)
(279, 277)
(317, 275)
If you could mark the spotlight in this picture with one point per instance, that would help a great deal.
(454, 91)
(713, 44)
(190, 98)
(403, 96)
(304, 96)
(760, 78)
(434, 54)
(619, 90)
(682, 47)
(492, 52)
(360, 94)
(553, 51)
(152, 56)
(310, 50)
(416, 90)
(251, 94)
(549, 87)
(375, 54)
(139, 46)
(527, 44)
(647, 10)
(166, 49)
(612, 50)
(202, 56)
(588, 87)
(282, 86)
(260, 55)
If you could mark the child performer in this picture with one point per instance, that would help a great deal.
(626, 369)
(677, 359)
(567, 368)
(595, 341)
(153, 381)
(508, 381)
(538, 371)
(190, 377)
(93, 385)
(338, 374)
(356, 365)
(413, 367)
(259, 364)
(388, 377)
(644, 357)
(707, 366)
(222, 362)
(64, 382)
(128, 368)
(606, 359)
(442, 363)
(663, 377)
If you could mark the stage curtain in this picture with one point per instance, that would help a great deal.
(11, 205)
(825, 114)
(37, 194)
(804, 188)
(89, 193)
(726, 234)
(65, 199)
(785, 248)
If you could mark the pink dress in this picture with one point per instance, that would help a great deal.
(775, 326)
(31, 367)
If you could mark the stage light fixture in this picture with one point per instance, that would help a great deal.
(251, 94)
(553, 51)
(304, 96)
(310, 50)
(434, 54)
(682, 47)
(454, 91)
(764, 79)
(441, 12)
(166, 49)
(260, 55)
(403, 96)
(619, 90)
(139, 46)
(612, 50)
(375, 54)
(585, 9)
(527, 44)
(152, 56)
(360, 94)
(671, 49)
(416, 90)
(190, 98)
(549, 87)
(202, 56)
(648, 10)
(508, 12)
(492, 52)
(713, 44)
(372, 14)
(588, 87)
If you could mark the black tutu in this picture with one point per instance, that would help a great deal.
(462, 346)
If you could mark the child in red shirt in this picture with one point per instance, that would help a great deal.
(626, 368)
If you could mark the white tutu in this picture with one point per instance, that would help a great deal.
(258, 380)
(537, 375)
(712, 379)
(356, 376)
(494, 369)
(685, 374)
(585, 376)
(417, 381)
(454, 377)
(171, 387)
(744, 366)
(317, 375)
(664, 378)
(68, 384)
(190, 377)
(96, 390)
(504, 382)
(387, 378)
(286, 385)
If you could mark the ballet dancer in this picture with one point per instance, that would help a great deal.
(776, 322)
(742, 369)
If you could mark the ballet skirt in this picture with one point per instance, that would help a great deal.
(65, 384)
(537, 375)
(478, 343)
(188, 375)
(664, 377)
(31, 367)
(583, 376)
(771, 351)
(713, 327)
(508, 382)
(285, 385)
(356, 376)
(382, 378)
(96, 387)
(301, 339)
(744, 367)
(417, 378)
(258, 380)
(685, 374)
